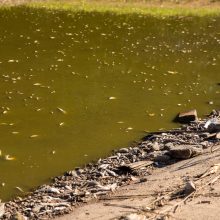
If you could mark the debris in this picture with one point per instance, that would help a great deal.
(135, 166)
(212, 170)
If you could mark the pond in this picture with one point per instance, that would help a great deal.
(74, 86)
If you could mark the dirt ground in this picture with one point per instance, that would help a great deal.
(203, 204)
(138, 3)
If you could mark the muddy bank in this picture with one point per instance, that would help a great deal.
(124, 167)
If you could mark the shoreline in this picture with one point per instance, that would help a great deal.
(152, 8)
(124, 167)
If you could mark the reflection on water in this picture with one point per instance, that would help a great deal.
(73, 86)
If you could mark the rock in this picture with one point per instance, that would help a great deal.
(210, 136)
(168, 146)
(18, 216)
(205, 144)
(212, 125)
(134, 216)
(2, 209)
(217, 136)
(187, 117)
(123, 150)
(189, 188)
(143, 179)
(155, 146)
(163, 159)
(185, 152)
(49, 189)
(71, 173)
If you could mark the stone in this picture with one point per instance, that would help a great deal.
(18, 216)
(185, 152)
(134, 216)
(2, 209)
(163, 159)
(187, 117)
(213, 125)
(217, 136)
(168, 146)
(154, 146)
(123, 150)
(189, 188)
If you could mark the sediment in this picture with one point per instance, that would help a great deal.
(123, 167)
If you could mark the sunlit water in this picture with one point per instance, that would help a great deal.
(74, 86)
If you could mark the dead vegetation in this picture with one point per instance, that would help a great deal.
(177, 197)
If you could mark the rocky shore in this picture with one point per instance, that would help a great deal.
(125, 166)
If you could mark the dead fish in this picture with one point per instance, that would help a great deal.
(129, 128)
(8, 157)
(37, 84)
(62, 110)
(151, 114)
(19, 189)
(34, 136)
(112, 98)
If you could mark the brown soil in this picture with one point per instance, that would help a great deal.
(204, 204)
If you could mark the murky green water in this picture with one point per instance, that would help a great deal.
(75, 86)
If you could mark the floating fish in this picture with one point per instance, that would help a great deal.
(34, 136)
(37, 84)
(61, 124)
(62, 110)
(19, 189)
(8, 157)
(112, 98)
(151, 114)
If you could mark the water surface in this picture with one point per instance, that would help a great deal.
(74, 86)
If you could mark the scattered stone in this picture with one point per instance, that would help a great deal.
(189, 188)
(154, 146)
(2, 209)
(134, 216)
(144, 179)
(212, 125)
(168, 146)
(135, 166)
(18, 216)
(123, 150)
(187, 117)
(164, 158)
(185, 152)
(217, 136)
